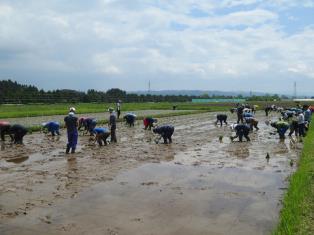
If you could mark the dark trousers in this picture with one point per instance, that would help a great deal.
(301, 129)
(167, 136)
(240, 118)
(3, 131)
(222, 120)
(54, 132)
(240, 134)
(282, 131)
(113, 137)
(294, 128)
(102, 138)
(18, 137)
(72, 141)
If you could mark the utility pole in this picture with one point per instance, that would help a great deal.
(148, 86)
(295, 90)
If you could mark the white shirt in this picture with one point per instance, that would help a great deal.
(301, 118)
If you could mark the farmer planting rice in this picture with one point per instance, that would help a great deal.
(88, 123)
(129, 119)
(112, 125)
(221, 118)
(17, 132)
(241, 130)
(101, 135)
(71, 123)
(149, 122)
(52, 127)
(4, 129)
(252, 122)
(282, 127)
(165, 132)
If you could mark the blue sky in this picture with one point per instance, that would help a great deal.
(177, 44)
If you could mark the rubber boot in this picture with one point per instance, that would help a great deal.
(73, 150)
(67, 149)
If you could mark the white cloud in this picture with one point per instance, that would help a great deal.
(133, 40)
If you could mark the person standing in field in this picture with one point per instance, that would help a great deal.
(240, 113)
(71, 123)
(112, 125)
(301, 124)
(118, 108)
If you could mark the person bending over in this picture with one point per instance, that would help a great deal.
(52, 127)
(129, 119)
(221, 118)
(165, 132)
(149, 122)
(101, 135)
(17, 132)
(241, 130)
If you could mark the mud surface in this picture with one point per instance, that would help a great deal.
(197, 185)
(36, 121)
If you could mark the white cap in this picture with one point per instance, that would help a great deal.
(72, 109)
(233, 126)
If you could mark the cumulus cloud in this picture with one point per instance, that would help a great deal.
(128, 42)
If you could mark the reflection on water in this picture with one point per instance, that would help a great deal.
(18, 160)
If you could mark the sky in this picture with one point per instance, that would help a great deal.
(228, 45)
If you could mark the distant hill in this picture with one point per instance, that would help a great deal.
(199, 93)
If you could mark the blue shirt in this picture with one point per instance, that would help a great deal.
(52, 126)
(100, 130)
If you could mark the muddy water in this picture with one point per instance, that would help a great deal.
(197, 185)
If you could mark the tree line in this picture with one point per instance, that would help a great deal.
(13, 92)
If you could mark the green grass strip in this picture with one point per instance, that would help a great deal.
(34, 110)
(297, 214)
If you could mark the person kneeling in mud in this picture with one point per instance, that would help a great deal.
(281, 127)
(4, 129)
(101, 135)
(221, 118)
(165, 132)
(129, 119)
(252, 122)
(52, 127)
(17, 132)
(149, 122)
(88, 123)
(241, 130)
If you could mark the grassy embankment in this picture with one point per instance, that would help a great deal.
(297, 214)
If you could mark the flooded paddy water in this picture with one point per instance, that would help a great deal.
(197, 185)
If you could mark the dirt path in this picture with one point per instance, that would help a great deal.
(197, 185)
